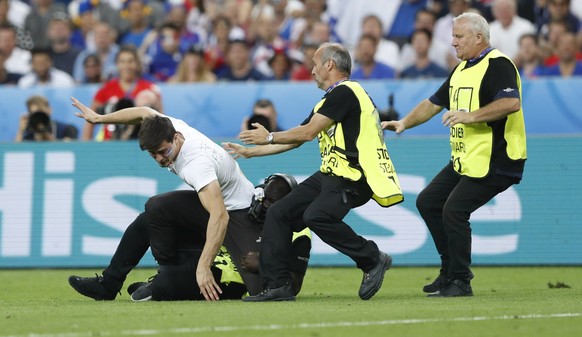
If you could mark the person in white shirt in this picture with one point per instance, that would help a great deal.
(44, 74)
(17, 59)
(508, 27)
(213, 213)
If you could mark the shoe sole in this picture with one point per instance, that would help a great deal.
(283, 299)
(386, 267)
(145, 299)
(437, 294)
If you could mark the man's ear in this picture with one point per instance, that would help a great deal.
(329, 65)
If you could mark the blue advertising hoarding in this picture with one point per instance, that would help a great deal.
(67, 204)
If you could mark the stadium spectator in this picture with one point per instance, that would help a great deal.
(105, 48)
(165, 53)
(549, 46)
(313, 11)
(281, 65)
(508, 27)
(266, 40)
(237, 11)
(423, 67)
(38, 125)
(86, 13)
(197, 21)
(92, 70)
(175, 16)
(303, 71)
(438, 51)
(557, 10)
(403, 24)
(316, 32)
(128, 84)
(346, 18)
(63, 53)
(349, 177)
(262, 108)
(17, 60)
(193, 68)
(483, 99)
(286, 13)
(84, 18)
(37, 21)
(529, 59)
(367, 66)
(222, 32)
(43, 73)
(387, 51)
(239, 66)
(567, 65)
(7, 17)
(136, 13)
(6, 77)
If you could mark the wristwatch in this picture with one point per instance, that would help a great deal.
(270, 138)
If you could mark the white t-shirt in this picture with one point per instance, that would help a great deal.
(201, 161)
(507, 39)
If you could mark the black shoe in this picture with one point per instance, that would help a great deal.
(372, 280)
(284, 293)
(143, 293)
(92, 287)
(455, 288)
(134, 286)
(441, 281)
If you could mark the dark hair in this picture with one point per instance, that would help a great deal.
(154, 131)
(263, 103)
(41, 51)
(532, 36)
(263, 120)
(420, 31)
(369, 37)
(90, 57)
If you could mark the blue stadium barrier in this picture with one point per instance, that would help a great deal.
(67, 204)
(552, 106)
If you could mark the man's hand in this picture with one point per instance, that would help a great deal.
(236, 150)
(396, 126)
(208, 286)
(257, 136)
(453, 117)
(84, 112)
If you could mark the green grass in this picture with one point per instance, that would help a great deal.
(509, 301)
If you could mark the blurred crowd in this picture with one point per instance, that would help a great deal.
(127, 46)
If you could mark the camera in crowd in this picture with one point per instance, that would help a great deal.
(390, 114)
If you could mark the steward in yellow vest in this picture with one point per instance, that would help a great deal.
(488, 148)
(355, 168)
(369, 156)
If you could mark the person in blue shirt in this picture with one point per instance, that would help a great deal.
(423, 66)
(239, 66)
(567, 64)
(367, 67)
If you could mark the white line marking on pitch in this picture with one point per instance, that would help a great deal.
(293, 326)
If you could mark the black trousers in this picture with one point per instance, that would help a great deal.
(446, 205)
(176, 221)
(320, 203)
(178, 282)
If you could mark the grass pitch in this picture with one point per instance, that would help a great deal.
(509, 301)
